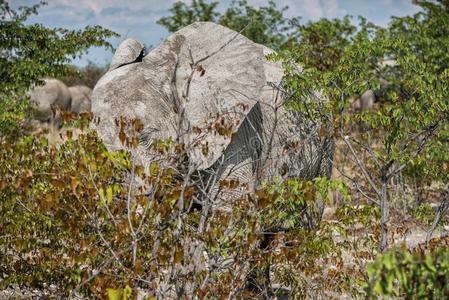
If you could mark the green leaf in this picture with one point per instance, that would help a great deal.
(127, 292)
(109, 193)
(429, 263)
(114, 294)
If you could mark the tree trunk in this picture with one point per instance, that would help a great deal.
(383, 214)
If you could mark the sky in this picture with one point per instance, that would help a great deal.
(137, 18)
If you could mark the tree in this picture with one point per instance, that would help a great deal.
(265, 25)
(87, 75)
(427, 36)
(183, 14)
(321, 44)
(411, 123)
(31, 52)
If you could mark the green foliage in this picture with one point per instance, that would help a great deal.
(183, 14)
(424, 213)
(30, 52)
(46, 195)
(75, 204)
(426, 34)
(409, 125)
(438, 170)
(12, 114)
(399, 273)
(321, 44)
(297, 203)
(265, 25)
(87, 75)
(424, 38)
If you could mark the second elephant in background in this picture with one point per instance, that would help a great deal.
(81, 98)
(47, 97)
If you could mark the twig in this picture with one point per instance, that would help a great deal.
(357, 186)
(98, 193)
(360, 164)
(442, 209)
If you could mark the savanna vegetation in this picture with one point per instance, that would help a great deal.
(80, 221)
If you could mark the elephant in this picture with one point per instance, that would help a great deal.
(190, 84)
(81, 98)
(55, 94)
(45, 98)
(214, 91)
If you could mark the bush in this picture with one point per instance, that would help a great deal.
(46, 196)
(88, 220)
(401, 273)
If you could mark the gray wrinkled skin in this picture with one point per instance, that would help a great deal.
(200, 77)
(81, 98)
(53, 93)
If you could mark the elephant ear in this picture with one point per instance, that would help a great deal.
(219, 78)
(140, 90)
(128, 52)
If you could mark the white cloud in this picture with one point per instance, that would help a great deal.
(98, 5)
(307, 9)
(314, 9)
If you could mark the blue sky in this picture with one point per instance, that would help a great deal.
(137, 18)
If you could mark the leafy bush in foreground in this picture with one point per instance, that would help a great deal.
(401, 273)
(88, 220)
